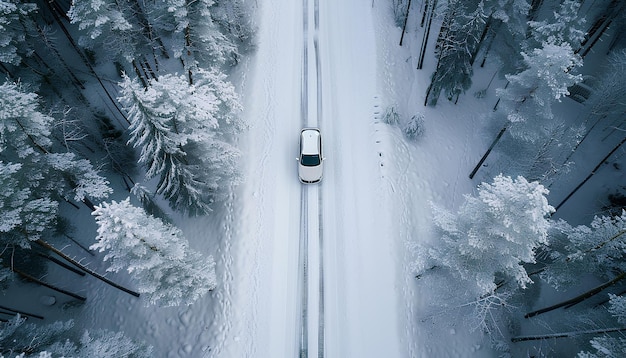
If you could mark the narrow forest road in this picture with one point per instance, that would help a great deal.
(315, 270)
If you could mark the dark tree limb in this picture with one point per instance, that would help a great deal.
(566, 334)
(23, 313)
(80, 245)
(578, 298)
(406, 19)
(87, 270)
(590, 174)
(62, 264)
(50, 286)
(482, 160)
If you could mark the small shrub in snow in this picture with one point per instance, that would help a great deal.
(415, 127)
(391, 116)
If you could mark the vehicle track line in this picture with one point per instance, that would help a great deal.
(303, 267)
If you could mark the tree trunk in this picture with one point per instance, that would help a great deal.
(582, 139)
(55, 13)
(406, 19)
(590, 175)
(38, 281)
(21, 312)
(483, 35)
(565, 334)
(431, 10)
(578, 298)
(79, 245)
(82, 267)
(62, 264)
(482, 160)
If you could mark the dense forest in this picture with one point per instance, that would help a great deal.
(508, 242)
(113, 99)
(124, 107)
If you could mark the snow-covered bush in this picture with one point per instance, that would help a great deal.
(390, 116)
(414, 128)
(494, 233)
(157, 254)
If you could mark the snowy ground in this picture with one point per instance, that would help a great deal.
(372, 205)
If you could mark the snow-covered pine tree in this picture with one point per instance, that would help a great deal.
(13, 44)
(494, 233)
(234, 19)
(531, 93)
(508, 24)
(105, 24)
(180, 129)
(34, 178)
(608, 346)
(25, 217)
(564, 26)
(608, 100)
(168, 272)
(19, 339)
(598, 249)
(550, 69)
(456, 44)
(209, 44)
(197, 40)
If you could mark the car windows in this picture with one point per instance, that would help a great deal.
(310, 160)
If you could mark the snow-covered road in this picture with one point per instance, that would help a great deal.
(315, 66)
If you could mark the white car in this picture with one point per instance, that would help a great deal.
(310, 160)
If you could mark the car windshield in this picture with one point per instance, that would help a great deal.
(309, 160)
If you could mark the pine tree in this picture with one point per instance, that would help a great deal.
(550, 69)
(607, 346)
(155, 253)
(13, 44)
(494, 233)
(456, 45)
(106, 25)
(180, 129)
(34, 177)
(509, 19)
(598, 249)
(531, 93)
(19, 339)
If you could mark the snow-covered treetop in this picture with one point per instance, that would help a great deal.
(495, 232)
(168, 271)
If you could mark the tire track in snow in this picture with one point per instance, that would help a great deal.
(310, 117)
(303, 269)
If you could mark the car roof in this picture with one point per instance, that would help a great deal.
(310, 140)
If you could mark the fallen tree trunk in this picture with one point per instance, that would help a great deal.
(565, 334)
(23, 313)
(87, 270)
(578, 298)
(38, 281)
(62, 264)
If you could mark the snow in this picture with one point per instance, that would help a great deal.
(362, 221)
